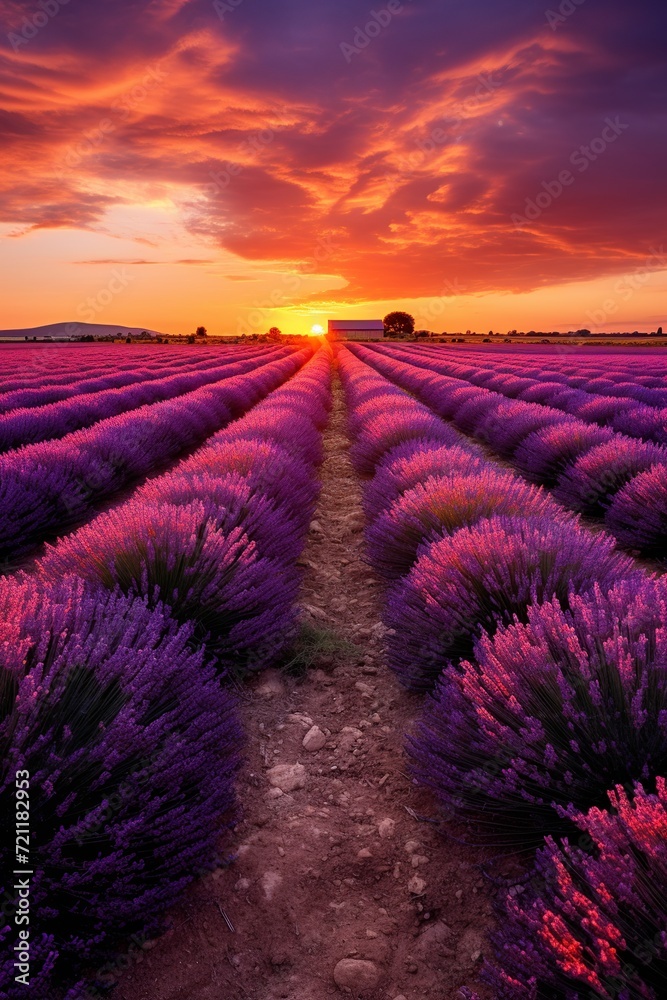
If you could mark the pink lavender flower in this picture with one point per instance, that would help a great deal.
(481, 577)
(592, 922)
(441, 505)
(178, 556)
(551, 712)
(544, 454)
(637, 515)
(590, 484)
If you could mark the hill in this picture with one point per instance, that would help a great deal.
(69, 330)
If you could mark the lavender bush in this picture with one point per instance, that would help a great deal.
(552, 712)
(268, 469)
(407, 465)
(589, 485)
(205, 575)
(637, 515)
(544, 454)
(480, 578)
(592, 926)
(441, 505)
(132, 748)
(230, 501)
(391, 428)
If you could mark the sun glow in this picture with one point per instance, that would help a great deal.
(316, 330)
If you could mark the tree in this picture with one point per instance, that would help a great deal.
(274, 333)
(399, 324)
(200, 332)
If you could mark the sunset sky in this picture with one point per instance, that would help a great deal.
(249, 163)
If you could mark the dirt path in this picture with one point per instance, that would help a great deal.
(336, 868)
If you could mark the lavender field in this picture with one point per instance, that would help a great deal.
(341, 669)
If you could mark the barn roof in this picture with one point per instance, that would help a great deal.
(356, 324)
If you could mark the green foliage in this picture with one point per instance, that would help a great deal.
(312, 643)
(399, 324)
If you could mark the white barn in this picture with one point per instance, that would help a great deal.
(356, 329)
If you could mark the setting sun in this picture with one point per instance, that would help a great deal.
(316, 330)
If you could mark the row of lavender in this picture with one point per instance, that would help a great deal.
(44, 377)
(28, 425)
(546, 651)
(616, 400)
(47, 486)
(116, 645)
(591, 469)
(614, 372)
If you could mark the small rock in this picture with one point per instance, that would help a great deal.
(272, 685)
(470, 947)
(314, 739)
(419, 859)
(411, 846)
(315, 611)
(274, 793)
(305, 720)
(386, 828)
(376, 719)
(270, 882)
(287, 777)
(348, 737)
(315, 526)
(459, 893)
(364, 854)
(366, 689)
(416, 885)
(371, 934)
(356, 974)
(435, 940)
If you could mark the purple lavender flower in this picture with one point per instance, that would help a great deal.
(441, 505)
(544, 454)
(509, 423)
(406, 465)
(644, 422)
(590, 484)
(592, 922)
(205, 575)
(230, 501)
(388, 429)
(551, 712)
(132, 748)
(481, 577)
(268, 468)
(637, 515)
